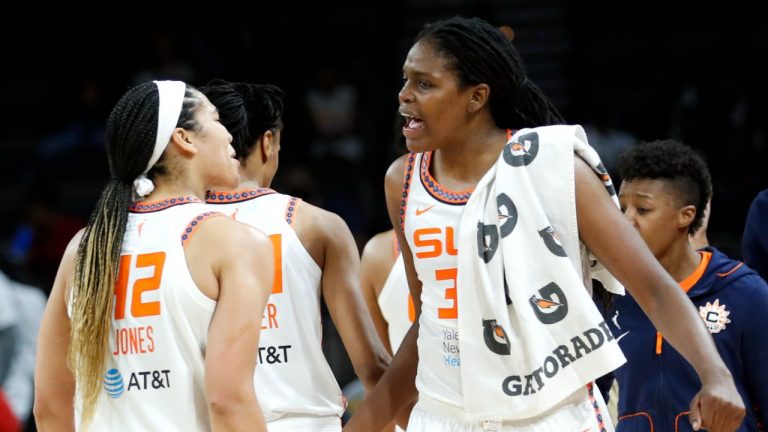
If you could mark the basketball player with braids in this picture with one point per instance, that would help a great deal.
(316, 257)
(145, 329)
(665, 190)
(504, 215)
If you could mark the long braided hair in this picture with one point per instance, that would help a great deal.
(479, 53)
(130, 136)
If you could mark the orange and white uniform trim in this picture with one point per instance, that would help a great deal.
(430, 216)
(154, 378)
(291, 363)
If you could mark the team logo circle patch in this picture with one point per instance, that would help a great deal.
(715, 316)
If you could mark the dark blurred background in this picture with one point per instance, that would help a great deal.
(627, 71)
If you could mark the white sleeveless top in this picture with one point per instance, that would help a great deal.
(154, 378)
(395, 301)
(430, 220)
(292, 376)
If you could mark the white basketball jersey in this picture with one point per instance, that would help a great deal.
(293, 376)
(154, 377)
(395, 302)
(431, 216)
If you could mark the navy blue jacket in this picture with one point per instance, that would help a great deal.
(754, 243)
(657, 384)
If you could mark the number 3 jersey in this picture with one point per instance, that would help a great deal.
(154, 374)
(292, 376)
(430, 216)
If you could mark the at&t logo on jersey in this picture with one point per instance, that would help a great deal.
(114, 383)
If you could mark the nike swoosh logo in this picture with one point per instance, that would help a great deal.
(622, 335)
(420, 212)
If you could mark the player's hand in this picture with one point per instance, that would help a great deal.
(717, 407)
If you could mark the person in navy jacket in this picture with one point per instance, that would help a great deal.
(754, 243)
(665, 189)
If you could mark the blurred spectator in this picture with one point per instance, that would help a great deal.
(166, 61)
(85, 130)
(754, 245)
(606, 136)
(8, 422)
(21, 309)
(41, 238)
(332, 105)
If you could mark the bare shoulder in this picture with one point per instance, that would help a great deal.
(66, 274)
(379, 250)
(74, 244)
(323, 223)
(226, 235)
(581, 169)
(395, 172)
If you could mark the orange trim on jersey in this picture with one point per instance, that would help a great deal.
(291, 210)
(437, 191)
(688, 283)
(659, 340)
(694, 277)
(395, 244)
(407, 177)
(644, 414)
(240, 195)
(731, 270)
(677, 419)
(161, 204)
(192, 227)
(598, 415)
(411, 309)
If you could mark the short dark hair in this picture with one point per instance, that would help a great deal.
(677, 165)
(246, 110)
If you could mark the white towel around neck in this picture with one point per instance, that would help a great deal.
(522, 358)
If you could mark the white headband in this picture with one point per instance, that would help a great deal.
(171, 99)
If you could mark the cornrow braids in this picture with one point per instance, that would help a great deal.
(130, 136)
(679, 166)
(481, 53)
(247, 111)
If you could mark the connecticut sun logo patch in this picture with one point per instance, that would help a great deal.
(715, 316)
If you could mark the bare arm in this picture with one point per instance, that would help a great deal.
(394, 395)
(375, 264)
(624, 253)
(341, 292)
(233, 337)
(54, 382)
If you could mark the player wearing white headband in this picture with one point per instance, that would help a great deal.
(141, 318)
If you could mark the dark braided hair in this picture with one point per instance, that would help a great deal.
(247, 111)
(481, 53)
(130, 136)
(683, 171)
